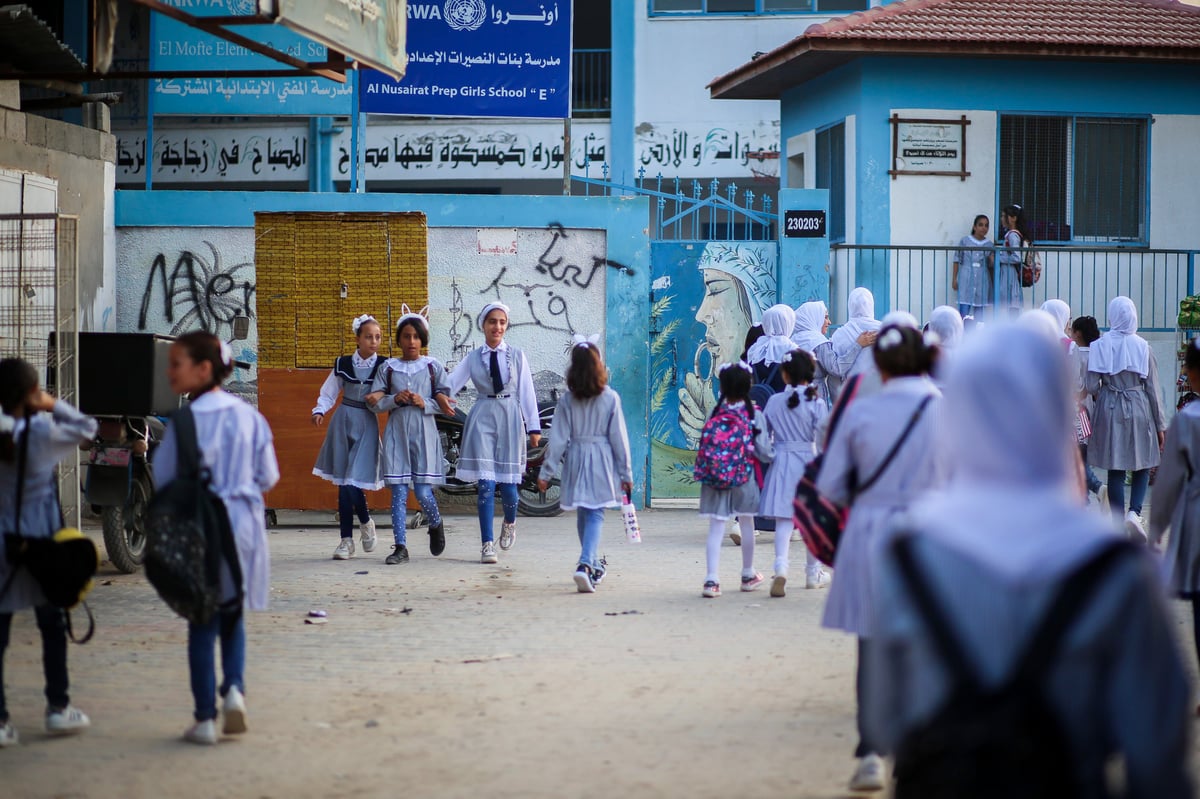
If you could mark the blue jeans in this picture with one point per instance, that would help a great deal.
(351, 502)
(1137, 490)
(424, 493)
(589, 521)
(230, 626)
(1093, 482)
(52, 624)
(485, 503)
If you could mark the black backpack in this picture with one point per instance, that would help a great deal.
(188, 534)
(1007, 741)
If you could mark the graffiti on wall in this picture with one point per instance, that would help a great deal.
(553, 279)
(174, 280)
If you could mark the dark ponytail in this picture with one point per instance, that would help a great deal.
(799, 367)
(901, 351)
(18, 379)
(203, 346)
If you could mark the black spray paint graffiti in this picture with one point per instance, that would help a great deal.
(207, 297)
(569, 274)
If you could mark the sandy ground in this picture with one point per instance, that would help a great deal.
(447, 678)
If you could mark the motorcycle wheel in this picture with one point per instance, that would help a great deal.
(127, 548)
(532, 502)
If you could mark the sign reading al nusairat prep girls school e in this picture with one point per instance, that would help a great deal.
(507, 58)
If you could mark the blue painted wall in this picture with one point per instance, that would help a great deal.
(623, 219)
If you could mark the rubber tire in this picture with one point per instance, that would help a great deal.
(531, 502)
(126, 549)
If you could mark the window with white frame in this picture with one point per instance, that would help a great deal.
(831, 174)
(755, 6)
(1078, 179)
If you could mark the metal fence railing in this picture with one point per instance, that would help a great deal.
(919, 279)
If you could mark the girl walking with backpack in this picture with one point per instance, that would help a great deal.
(410, 389)
(879, 459)
(590, 441)
(41, 431)
(1011, 258)
(237, 449)
(792, 419)
(493, 443)
(349, 458)
(731, 439)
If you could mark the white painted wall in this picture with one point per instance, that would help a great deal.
(1174, 178)
(104, 304)
(938, 210)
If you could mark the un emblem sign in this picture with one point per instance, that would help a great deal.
(464, 15)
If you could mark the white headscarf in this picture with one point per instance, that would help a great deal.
(810, 318)
(1042, 323)
(1014, 480)
(860, 306)
(948, 324)
(901, 318)
(1061, 313)
(1120, 349)
(777, 323)
(487, 309)
(751, 263)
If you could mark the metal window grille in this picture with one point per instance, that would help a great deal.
(39, 291)
(831, 174)
(1077, 179)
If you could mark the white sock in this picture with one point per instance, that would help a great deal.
(746, 523)
(716, 533)
(812, 566)
(783, 540)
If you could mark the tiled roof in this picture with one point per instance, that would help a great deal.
(1105, 29)
(1108, 23)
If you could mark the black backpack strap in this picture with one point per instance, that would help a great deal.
(187, 448)
(848, 392)
(887, 461)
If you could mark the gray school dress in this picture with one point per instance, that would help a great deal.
(350, 454)
(793, 431)
(1008, 272)
(726, 503)
(493, 446)
(974, 276)
(861, 440)
(1127, 415)
(1175, 502)
(412, 449)
(591, 442)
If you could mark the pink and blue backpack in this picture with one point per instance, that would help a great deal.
(725, 458)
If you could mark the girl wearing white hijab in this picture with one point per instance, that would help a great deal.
(812, 321)
(947, 324)
(766, 354)
(900, 418)
(1062, 315)
(994, 546)
(1128, 422)
(847, 345)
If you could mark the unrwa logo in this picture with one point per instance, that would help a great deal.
(464, 15)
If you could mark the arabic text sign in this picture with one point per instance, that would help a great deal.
(238, 154)
(506, 58)
(926, 146)
(179, 47)
(370, 31)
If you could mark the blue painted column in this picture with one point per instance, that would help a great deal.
(320, 154)
(804, 249)
(621, 150)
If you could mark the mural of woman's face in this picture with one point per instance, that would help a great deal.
(724, 316)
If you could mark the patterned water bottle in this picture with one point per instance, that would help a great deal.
(629, 515)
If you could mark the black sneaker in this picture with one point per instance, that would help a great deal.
(399, 555)
(598, 571)
(437, 539)
(583, 579)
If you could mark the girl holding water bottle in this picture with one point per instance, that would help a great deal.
(592, 447)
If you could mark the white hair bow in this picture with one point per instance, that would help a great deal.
(226, 354)
(745, 367)
(584, 341)
(362, 320)
(892, 338)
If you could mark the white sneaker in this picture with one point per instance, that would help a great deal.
(202, 732)
(1102, 496)
(8, 735)
(234, 711)
(67, 721)
(818, 579)
(1135, 529)
(869, 774)
(366, 531)
(779, 585)
(508, 535)
(488, 554)
(345, 549)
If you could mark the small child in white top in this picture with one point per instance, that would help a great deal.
(793, 418)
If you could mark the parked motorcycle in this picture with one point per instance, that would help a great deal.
(119, 484)
(530, 501)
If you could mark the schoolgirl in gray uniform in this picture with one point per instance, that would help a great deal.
(493, 447)
(1128, 424)
(349, 458)
(793, 418)
(973, 269)
(591, 442)
(1010, 258)
(410, 389)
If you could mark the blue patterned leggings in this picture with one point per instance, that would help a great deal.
(424, 493)
(485, 503)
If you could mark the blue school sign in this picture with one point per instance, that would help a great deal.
(179, 47)
(507, 58)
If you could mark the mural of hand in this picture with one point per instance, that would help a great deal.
(696, 402)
